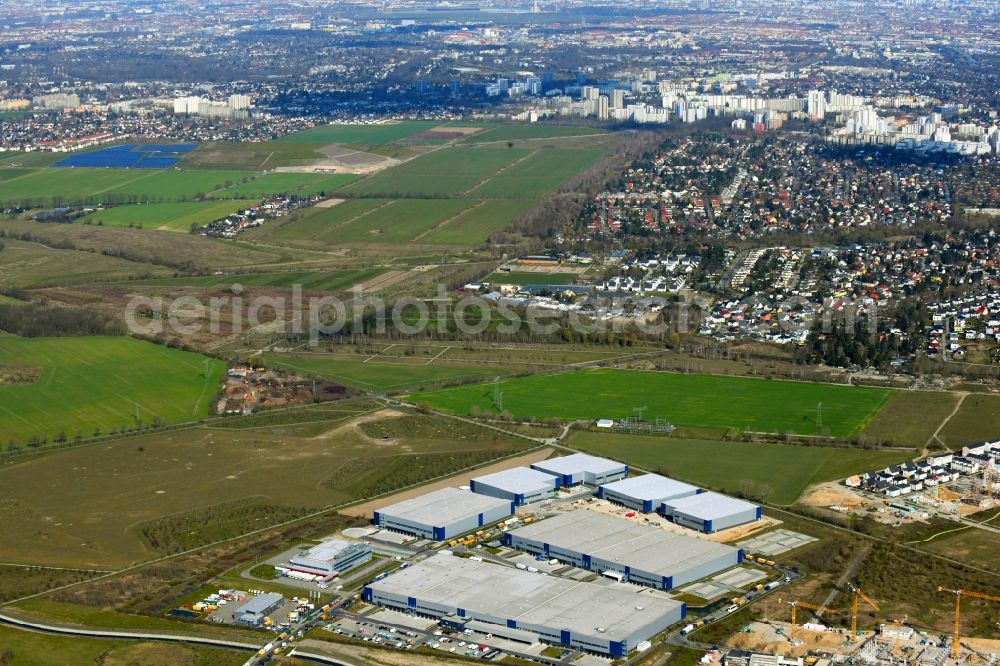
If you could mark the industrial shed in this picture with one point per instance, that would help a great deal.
(645, 493)
(583, 468)
(519, 485)
(710, 512)
(254, 610)
(609, 620)
(443, 514)
(624, 550)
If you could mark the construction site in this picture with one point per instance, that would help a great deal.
(952, 485)
(885, 642)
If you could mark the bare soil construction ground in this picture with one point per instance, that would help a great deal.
(343, 160)
(831, 493)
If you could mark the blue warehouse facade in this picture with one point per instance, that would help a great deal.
(443, 514)
(636, 553)
(519, 485)
(525, 606)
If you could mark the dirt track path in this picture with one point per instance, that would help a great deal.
(958, 405)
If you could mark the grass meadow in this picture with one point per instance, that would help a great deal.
(724, 466)
(86, 384)
(685, 400)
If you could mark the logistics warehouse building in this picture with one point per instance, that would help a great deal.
(710, 512)
(645, 493)
(443, 514)
(624, 550)
(583, 468)
(520, 485)
(609, 620)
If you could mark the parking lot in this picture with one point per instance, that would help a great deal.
(775, 542)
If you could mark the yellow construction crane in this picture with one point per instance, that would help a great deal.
(795, 606)
(897, 626)
(858, 594)
(958, 611)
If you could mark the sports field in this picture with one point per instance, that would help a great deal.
(178, 216)
(685, 400)
(86, 384)
(787, 469)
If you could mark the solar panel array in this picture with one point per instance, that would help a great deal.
(130, 156)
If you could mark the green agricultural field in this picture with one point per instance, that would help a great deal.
(33, 159)
(385, 374)
(295, 183)
(55, 186)
(475, 225)
(179, 185)
(29, 265)
(10, 173)
(375, 134)
(315, 223)
(309, 280)
(723, 466)
(238, 156)
(178, 216)
(98, 383)
(910, 417)
(397, 222)
(109, 504)
(977, 419)
(684, 400)
(530, 132)
(540, 173)
(446, 172)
